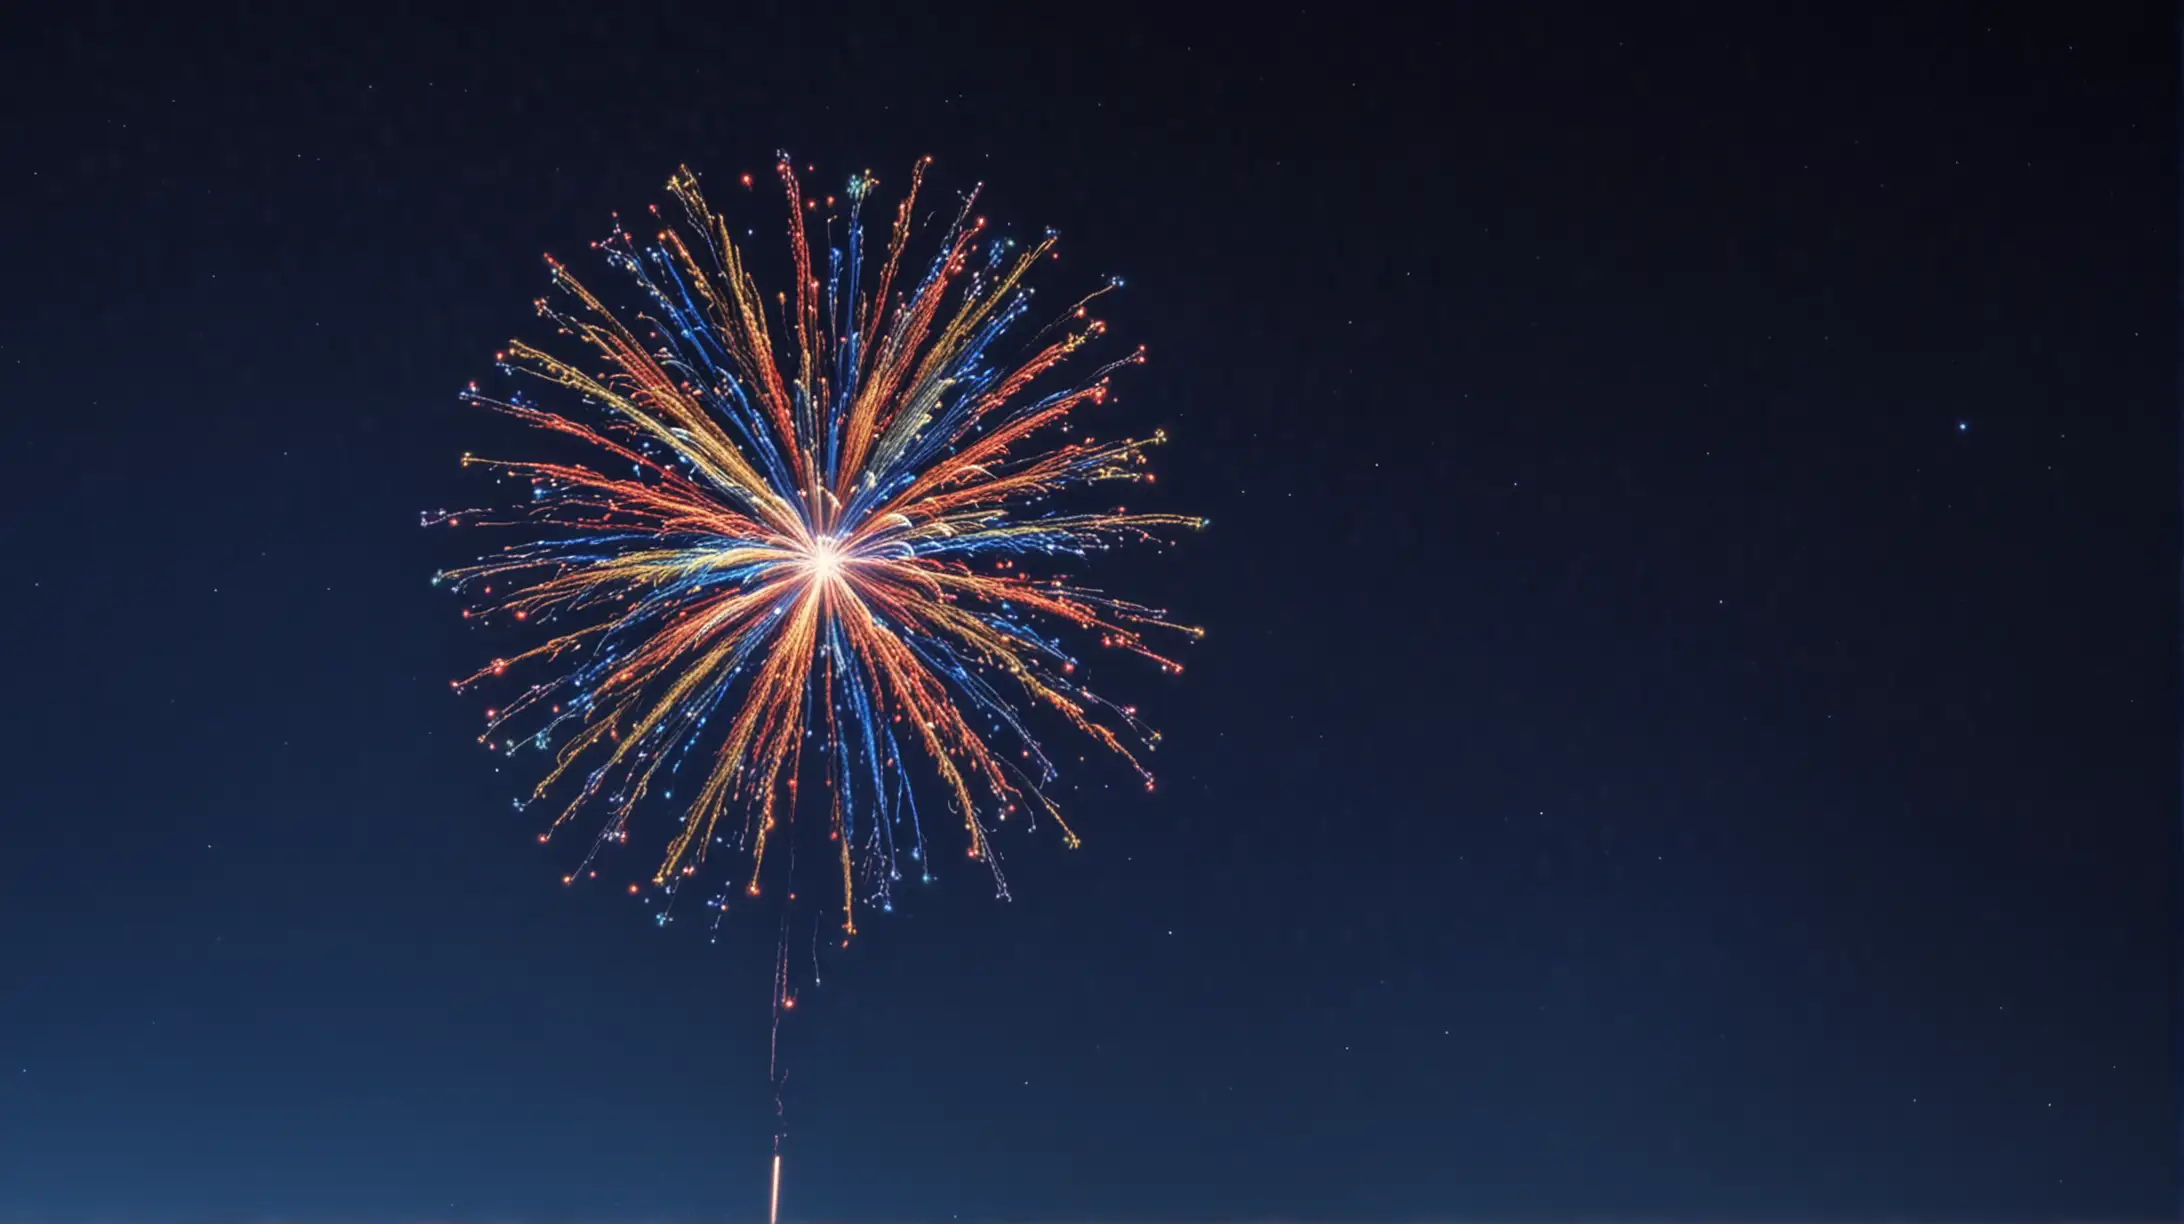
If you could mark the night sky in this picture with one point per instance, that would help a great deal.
(1686, 728)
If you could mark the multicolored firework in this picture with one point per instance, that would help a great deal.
(796, 552)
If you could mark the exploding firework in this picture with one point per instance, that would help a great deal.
(803, 547)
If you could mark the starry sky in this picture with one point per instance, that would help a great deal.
(1687, 727)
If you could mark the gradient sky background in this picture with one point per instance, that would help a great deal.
(1687, 728)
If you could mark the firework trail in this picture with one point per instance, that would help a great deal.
(800, 548)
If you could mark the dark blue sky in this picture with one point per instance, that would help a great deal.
(1687, 727)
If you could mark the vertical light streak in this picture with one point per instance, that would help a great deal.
(773, 1199)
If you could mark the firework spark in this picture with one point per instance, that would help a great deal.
(798, 548)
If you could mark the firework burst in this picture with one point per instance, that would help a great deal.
(803, 548)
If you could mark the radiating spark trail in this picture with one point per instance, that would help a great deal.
(799, 553)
